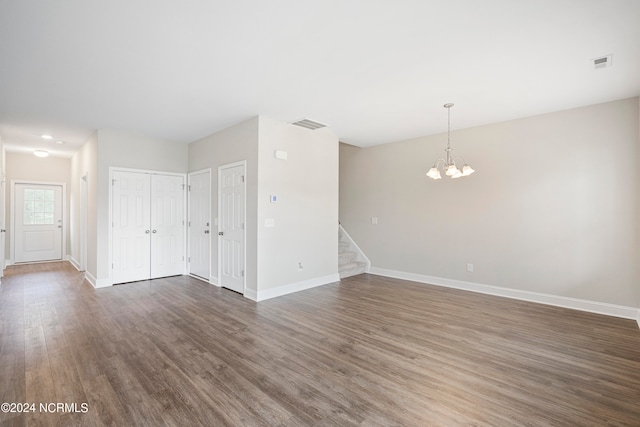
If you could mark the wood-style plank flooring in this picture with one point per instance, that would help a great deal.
(368, 351)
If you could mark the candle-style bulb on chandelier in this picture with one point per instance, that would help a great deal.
(449, 164)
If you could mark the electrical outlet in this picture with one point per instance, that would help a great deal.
(470, 268)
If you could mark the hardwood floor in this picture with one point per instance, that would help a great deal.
(369, 351)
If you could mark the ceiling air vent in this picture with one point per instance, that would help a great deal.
(309, 124)
(602, 62)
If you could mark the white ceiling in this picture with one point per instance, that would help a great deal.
(377, 71)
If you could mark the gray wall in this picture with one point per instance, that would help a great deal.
(553, 207)
(306, 213)
(233, 144)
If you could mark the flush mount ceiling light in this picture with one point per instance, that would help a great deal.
(41, 153)
(449, 164)
(45, 136)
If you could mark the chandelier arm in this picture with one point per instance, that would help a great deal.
(459, 158)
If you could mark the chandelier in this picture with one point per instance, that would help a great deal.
(449, 164)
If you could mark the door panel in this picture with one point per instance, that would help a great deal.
(167, 225)
(199, 224)
(38, 222)
(232, 196)
(3, 233)
(131, 226)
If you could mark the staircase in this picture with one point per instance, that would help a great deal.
(348, 263)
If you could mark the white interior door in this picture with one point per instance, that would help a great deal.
(84, 209)
(38, 222)
(131, 218)
(200, 224)
(231, 226)
(3, 234)
(167, 225)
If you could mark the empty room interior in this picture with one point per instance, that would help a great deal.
(347, 213)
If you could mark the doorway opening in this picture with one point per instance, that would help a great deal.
(37, 221)
(231, 226)
(199, 222)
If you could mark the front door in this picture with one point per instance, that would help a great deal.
(200, 224)
(231, 226)
(38, 222)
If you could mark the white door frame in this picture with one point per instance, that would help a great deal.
(242, 163)
(64, 255)
(3, 224)
(110, 213)
(211, 226)
(84, 217)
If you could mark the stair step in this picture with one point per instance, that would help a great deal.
(346, 257)
(344, 251)
(351, 269)
(350, 265)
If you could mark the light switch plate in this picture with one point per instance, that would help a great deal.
(280, 155)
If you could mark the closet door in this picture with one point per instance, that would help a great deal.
(131, 203)
(167, 225)
(200, 224)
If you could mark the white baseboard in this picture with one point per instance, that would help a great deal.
(103, 283)
(291, 288)
(97, 283)
(7, 263)
(73, 262)
(202, 279)
(555, 300)
(251, 294)
(90, 278)
(212, 280)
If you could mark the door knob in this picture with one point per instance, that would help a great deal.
(206, 231)
(155, 231)
(146, 231)
(221, 233)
